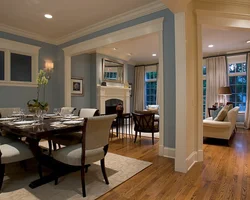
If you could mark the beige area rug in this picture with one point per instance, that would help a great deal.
(118, 168)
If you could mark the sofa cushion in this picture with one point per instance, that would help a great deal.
(216, 112)
(230, 108)
(222, 114)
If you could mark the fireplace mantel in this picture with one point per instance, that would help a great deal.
(105, 93)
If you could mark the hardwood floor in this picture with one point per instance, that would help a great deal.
(224, 174)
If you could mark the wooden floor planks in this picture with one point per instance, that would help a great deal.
(224, 174)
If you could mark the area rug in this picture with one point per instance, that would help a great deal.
(118, 168)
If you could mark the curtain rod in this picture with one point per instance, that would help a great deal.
(146, 65)
(230, 54)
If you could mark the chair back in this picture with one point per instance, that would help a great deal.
(144, 121)
(88, 112)
(67, 110)
(5, 112)
(97, 131)
(232, 116)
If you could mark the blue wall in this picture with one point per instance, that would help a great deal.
(18, 96)
(169, 64)
(81, 68)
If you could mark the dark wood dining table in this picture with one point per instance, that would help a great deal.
(34, 134)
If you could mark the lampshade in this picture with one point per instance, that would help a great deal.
(224, 90)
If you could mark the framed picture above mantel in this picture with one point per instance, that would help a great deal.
(77, 86)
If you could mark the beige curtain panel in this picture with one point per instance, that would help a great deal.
(247, 117)
(139, 88)
(216, 77)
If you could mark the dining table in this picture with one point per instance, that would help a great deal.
(36, 130)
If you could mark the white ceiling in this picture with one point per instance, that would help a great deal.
(225, 40)
(141, 49)
(68, 15)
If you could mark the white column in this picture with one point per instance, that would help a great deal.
(181, 123)
(200, 95)
(67, 80)
(161, 95)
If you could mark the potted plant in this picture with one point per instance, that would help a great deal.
(34, 104)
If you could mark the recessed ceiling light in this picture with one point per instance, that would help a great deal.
(114, 49)
(211, 46)
(248, 41)
(129, 54)
(154, 54)
(48, 16)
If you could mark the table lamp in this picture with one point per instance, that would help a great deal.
(224, 91)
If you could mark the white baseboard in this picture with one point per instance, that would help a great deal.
(169, 152)
(191, 160)
(200, 156)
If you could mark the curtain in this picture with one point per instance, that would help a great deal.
(158, 86)
(139, 88)
(216, 77)
(247, 113)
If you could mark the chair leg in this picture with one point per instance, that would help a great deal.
(153, 138)
(83, 181)
(2, 170)
(50, 147)
(54, 146)
(140, 134)
(40, 171)
(135, 136)
(104, 171)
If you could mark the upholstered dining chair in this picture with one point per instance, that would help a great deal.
(12, 151)
(67, 139)
(67, 110)
(144, 121)
(94, 147)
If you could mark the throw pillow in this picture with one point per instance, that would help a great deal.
(216, 112)
(230, 108)
(222, 114)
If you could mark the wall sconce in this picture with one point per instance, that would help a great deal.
(49, 66)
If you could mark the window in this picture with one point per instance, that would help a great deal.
(18, 63)
(110, 75)
(204, 69)
(150, 87)
(20, 67)
(1, 65)
(238, 80)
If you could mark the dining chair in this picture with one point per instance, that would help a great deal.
(67, 139)
(94, 147)
(67, 110)
(144, 121)
(10, 152)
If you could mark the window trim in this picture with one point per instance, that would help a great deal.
(9, 46)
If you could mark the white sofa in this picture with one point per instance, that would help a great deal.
(220, 129)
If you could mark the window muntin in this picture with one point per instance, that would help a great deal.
(1, 65)
(150, 88)
(21, 67)
(110, 75)
(238, 81)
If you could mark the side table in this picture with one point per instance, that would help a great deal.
(209, 109)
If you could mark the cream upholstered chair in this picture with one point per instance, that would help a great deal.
(67, 110)
(94, 148)
(75, 137)
(12, 151)
(221, 129)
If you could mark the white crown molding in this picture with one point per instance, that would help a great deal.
(127, 16)
(23, 33)
(229, 2)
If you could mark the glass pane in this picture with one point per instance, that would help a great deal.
(238, 88)
(232, 88)
(1, 65)
(239, 67)
(20, 67)
(244, 67)
(232, 68)
(204, 69)
(232, 80)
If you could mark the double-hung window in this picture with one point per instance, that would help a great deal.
(237, 72)
(18, 63)
(150, 85)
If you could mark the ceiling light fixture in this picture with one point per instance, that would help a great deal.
(154, 54)
(129, 54)
(211, 46)
(248, 42)
(48, 16)
(114, 49)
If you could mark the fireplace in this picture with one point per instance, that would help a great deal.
(110, 106)
(115, 95)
